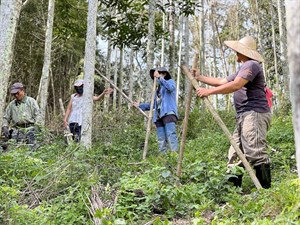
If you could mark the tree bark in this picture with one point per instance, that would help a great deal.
(107, 71)
(9, 16)
(150, 44)
(293, 47)
(120, 97)
(44, 82)
(172, 38)
(89, 70)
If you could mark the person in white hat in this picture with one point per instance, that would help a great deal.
(73, 116)
(253, 113)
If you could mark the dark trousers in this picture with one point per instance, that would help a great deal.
(75, 129)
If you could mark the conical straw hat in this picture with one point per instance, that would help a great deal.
(246, 46)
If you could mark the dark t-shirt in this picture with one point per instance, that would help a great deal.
(252, 96)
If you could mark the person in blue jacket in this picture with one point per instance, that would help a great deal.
(165, 113)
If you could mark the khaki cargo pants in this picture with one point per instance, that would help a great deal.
(250, 135)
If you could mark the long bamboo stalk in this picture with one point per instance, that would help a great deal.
(124, 95)
(224, 128)
(149, 119)
(186, 118)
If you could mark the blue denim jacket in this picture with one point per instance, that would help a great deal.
(168, 99)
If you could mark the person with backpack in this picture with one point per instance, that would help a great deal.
(253, 114)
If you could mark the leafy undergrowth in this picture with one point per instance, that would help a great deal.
(60, 184)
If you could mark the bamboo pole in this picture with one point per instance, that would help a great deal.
(150, 118)
(186, 119)
(124, 95)
(224, 128)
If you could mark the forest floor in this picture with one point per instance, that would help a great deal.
(55, 183)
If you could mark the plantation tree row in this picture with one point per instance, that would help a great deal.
(45, 45)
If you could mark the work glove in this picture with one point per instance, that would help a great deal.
(5, 132)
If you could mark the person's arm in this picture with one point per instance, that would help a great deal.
(105, 92)
(212, 81)
(226, 88)
(68, 111)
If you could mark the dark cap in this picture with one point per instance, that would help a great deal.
(160, 69)
(16, 87)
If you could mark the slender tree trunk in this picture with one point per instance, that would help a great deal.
(172, 38)
(162, 53)
(150, 44)
(274, 45)
(186, 37)
(115, 79)
(44, 82)
(283, 49)
(9, 16)
(293, 40)
(120, 97)
(131, 73)
(201, 37)
(89, 70)
(179, 58)
(107, 71)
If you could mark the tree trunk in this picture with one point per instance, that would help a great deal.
(293, 47)
(179, 58)
(120, 97)
(131, 73)
(150, 45)
(107, 71)
(283, 47)
(115, 79)
(162, 54)
(89, 70)
(9, 16)
(172, 38)
(186, 37)
(44, 82)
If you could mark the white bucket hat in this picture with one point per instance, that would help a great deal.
(245, 46)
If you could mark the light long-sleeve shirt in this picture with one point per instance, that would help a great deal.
(21, 112)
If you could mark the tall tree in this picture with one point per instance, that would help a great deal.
(9, 16)
(172, 37)
(44, 82)
(150, 42)
(89, 70)
(293, 41)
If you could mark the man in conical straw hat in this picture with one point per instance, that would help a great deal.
(253, 113)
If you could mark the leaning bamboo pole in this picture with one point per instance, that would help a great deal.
(122, 93)
(224, 128)
(186, 118)
(150, 118)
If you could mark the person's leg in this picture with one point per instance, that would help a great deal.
(162, 139)
(78, 133)
(171, 136)
(72, 129)
(254, 132)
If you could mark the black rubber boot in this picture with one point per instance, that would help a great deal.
(263, 174)
(237, 180)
